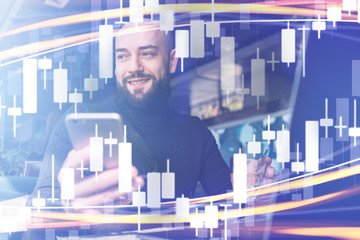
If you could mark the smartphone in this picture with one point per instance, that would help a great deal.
(108, 126)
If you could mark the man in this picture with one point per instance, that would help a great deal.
(144, 62)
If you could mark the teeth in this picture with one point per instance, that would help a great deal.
(134, 83)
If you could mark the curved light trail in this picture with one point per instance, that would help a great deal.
(159, 219)
(276, 8)
(300, 183)
(290, 184)
(346, 233)
(178, 8)
(293, 183)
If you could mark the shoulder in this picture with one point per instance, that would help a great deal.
(187, 120)
(193, 127)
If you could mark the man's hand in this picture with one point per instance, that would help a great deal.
(253, 175)
(88, 191)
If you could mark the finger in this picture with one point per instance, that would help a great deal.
(69, 209)
(251, 180)
(104, 198)
(266, 165)
(92, 211)
(75, 157)
(100, 198)
(123, 201)
(268, 181)
(252, 165)
(89, 211)
(268, 160)
(134, 172)
(270, 172)
(138, 181)
(80, 208)
(91, 185)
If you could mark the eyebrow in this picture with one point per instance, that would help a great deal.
(148, 46)
(140, 48)
(121, 50)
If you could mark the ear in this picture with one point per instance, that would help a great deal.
(173, 61)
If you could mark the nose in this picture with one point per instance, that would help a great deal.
(135, 65)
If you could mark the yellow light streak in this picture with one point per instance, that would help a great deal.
(292, 185)
(260, 8)
(158, 219)
(347, 233)
(32, 48)
(115, 13)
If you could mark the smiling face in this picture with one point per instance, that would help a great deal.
(143, 65)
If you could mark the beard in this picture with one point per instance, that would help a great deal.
(158, 94)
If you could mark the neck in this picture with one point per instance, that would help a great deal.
(152, 109)
(153, 116)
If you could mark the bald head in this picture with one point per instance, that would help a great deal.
(145, 28)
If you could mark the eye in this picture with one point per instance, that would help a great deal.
(121, 56)
(149, 54)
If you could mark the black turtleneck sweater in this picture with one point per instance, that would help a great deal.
(165, 134)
